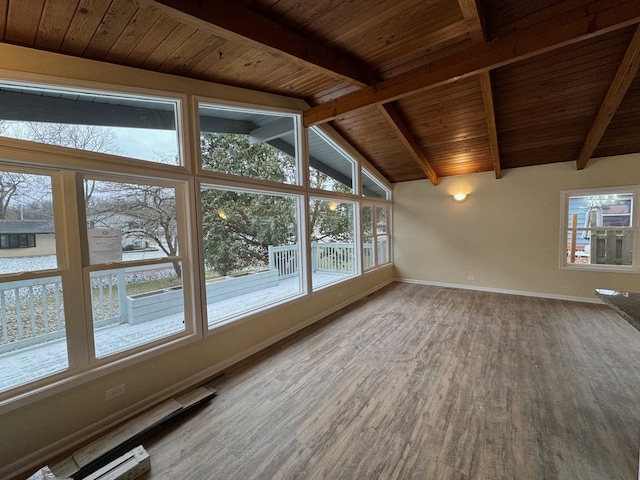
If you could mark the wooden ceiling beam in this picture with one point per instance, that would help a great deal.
(230, 20)
(393, 116)
(472, 16)
(597, 18)
(625, 74)
(487, 99)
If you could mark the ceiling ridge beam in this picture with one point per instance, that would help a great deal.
(597, 18)
(394, 118)
(232, 21)
(625, 74)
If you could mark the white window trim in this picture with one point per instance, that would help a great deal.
(564, 229)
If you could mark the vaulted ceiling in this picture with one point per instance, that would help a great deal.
(421, 88)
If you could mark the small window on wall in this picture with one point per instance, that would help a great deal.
(138, 127)
(249, 143)
(600, 229)
(332, 235)
(375, 239)
(329, 167)
(135, 273)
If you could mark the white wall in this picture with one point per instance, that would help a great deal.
(506, 233)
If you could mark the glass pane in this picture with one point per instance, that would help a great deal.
(33, 340)
(332, 241)
(372, 187)
(128, 221)
(27, 231)
(368, 253)
(138, 127)
(137, 305)
(329, 167)
(383, 250)
(367, 220)
(381, 219)
(251, 251)
(248, 143)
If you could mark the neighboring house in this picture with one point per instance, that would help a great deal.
(26, 238)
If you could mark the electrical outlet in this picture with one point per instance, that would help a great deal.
(114, 392)
(471, 278)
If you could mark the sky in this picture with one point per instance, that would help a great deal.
(146, 144)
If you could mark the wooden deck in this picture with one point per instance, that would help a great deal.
(420, 382)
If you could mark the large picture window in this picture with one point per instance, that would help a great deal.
(600, 229)
(251, 251)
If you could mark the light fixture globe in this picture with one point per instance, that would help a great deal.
(459, 197)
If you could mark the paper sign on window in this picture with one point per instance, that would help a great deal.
(105, 246)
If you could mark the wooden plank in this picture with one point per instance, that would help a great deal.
(573, 27)
(116, 19)
(23, 19)
(88, 454)
(133, 34)
(621, 82)
(228, 19)
(147, 423)
(194, 396)
(4, 8)
(151, 39)
(55, 20)
(405, 135)
(83, 26)
(168, 46)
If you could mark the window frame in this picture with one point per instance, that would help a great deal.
(296, 115)
(68, 165)
(565, 229)
(375, 235)
(113, 90)
(234, 319)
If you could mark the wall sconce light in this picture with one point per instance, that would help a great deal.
(333, 206)
(222, 214)
(459, 197)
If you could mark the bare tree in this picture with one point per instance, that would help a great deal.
(83, 137)
(10, 184)
(144, 211)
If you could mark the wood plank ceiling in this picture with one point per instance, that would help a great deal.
(422, 88)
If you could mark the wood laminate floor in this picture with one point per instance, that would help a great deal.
(421, 382)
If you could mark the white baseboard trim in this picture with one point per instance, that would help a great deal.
(503, 290)
(32, 462)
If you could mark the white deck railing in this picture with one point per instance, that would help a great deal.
(32, 311)
(284, 259)
(325, 258)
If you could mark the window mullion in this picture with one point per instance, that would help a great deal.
(69, 244)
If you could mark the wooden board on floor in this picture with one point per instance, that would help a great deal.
(129, 430)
